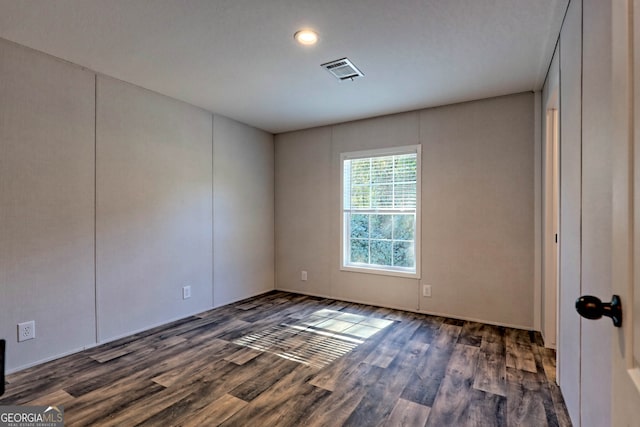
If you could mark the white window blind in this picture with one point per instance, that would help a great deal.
(380, 207)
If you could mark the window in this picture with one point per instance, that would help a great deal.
(380, 211)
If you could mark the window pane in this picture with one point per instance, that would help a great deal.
(380, 205)
(403, 227)
(381, 226)
(382, 170)
(359, 250)
(405, 196)
(405, 168)
(381, 252)
(382, 196)
(359, 226)
(360, 169)
(403, 255)
(360, 197)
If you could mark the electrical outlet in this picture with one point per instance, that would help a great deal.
(186, 292)
(303, 276)
(26, 331)
(426, 290)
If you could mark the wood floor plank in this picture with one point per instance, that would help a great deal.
(130, 365)
(270, 360)
(334, 411)
(451, 404)
(431, 369)
(545, 388)
(339, 405)
(247, 306)
(140, 410)
(286, 403)
(112, 354)
(93, 408)
(335, 375)
(243, 355)
(57, 398)
(494, 334)
(536, 338)
(289, 412)
(208, 385)
(471, 334)
(427, 330)
(388, 349)
(187, 401)
(486, 409)
(257, 384)
(519, 336)
(549, 363)
(175, 372)
(381, 398)
(407, 414)
(525, 403)
(559, 406)
(214, 330)
(491, 371)
(520, 356)
(413, 353)
(338, 373)
(22, 388)
(216, 412)
(383, 357)
(454, 322)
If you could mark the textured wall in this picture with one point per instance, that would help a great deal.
(154, 208)
(477, 209)
(46, 204)
(106, 207)
(242, 211)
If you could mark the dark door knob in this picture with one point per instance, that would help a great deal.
(591, 307)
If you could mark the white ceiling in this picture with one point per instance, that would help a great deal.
(238, 57)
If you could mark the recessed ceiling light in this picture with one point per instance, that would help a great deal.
(306, 37)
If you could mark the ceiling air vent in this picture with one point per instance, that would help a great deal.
(343, 69)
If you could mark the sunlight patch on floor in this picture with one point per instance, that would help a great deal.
(317, 339)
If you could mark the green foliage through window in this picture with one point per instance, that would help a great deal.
(382, 239)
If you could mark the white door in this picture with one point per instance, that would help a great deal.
(626, 210)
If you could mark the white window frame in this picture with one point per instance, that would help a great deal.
(344, 241)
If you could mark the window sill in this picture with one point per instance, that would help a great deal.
(380, 271)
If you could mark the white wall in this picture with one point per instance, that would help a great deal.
(149, 203)
(537, 212)
(477, 210)
(243, 211)
(478, 247)
(153, 208)
(46, 204)
(304, 241)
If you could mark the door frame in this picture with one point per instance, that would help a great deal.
(625, 393)
(551, 239)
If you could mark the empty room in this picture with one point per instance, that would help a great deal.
(319, 213)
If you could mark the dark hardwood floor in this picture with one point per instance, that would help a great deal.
(283, 359)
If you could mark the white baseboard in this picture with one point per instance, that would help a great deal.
(431, 313)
